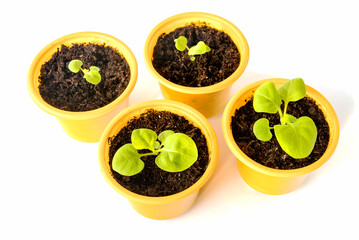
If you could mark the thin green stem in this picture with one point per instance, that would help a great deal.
(153, 153)
(280, 113)
(285, 107)
(148, 154)
(84, 71)
(284, 113)
(192, 57)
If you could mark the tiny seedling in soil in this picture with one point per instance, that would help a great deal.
(200, 48)
(92, 75)
(175, 152)
(296, 136)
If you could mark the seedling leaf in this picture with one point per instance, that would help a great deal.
(266, 99)
(143, 138)
(297, 138)
(178, 154)
(163, 135)
(75, 66)
(261, 130)
(200, 48)
(94, 68)
(93, 77)
(157, 145)
(181, 43)
(293, 90)
(127, 161)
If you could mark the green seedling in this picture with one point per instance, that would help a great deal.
(175, 152)
(92, 75)
(295, 136)
(200, 48)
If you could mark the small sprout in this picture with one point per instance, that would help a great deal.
(181, 43)
(175, 152)
(92, 76)
(75, 66)
(295, 136)
(200, 48)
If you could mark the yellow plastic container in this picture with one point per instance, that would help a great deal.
(83, 126)
(159, 207)
(211, 99)
(268, 180)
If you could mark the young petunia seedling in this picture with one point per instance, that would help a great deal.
(295, 136)
(200, 48)
(175, 152)
(92, 75)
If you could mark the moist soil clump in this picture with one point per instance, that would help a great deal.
(270, 153)
(153, 181)
(207, 69)
(70, 91)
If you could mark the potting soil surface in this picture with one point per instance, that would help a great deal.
(70, 91)
(207, 69)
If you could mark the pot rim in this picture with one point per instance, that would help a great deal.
(236, 35)
(189, 113)
(321, 101)
(80, 37)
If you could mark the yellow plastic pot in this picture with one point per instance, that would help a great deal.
(159, 207)
(268, 180)
(211, 99)
(83, 126)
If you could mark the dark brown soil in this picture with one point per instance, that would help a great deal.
(269, 153)
(153, 181)
(69, 91)
(207, 69)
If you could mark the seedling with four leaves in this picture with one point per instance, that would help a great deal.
(175, 152)
(296, 136)
(200, 48)
(92, 75)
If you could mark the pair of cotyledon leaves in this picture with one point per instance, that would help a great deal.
(295, 136)
(92, 76)
(198, 49)
(175, 152)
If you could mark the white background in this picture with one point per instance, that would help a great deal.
(51, 186)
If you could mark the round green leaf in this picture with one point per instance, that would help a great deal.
(200, 48)
(143, 138)
(127, 161)
(266, 98)
(95, 68)
(75, 65)
(179, 153)
(181, 43)
(163, 135)
(93, 77)
(297, 138)
(157, 145)
(293, 90)
(261, 130)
